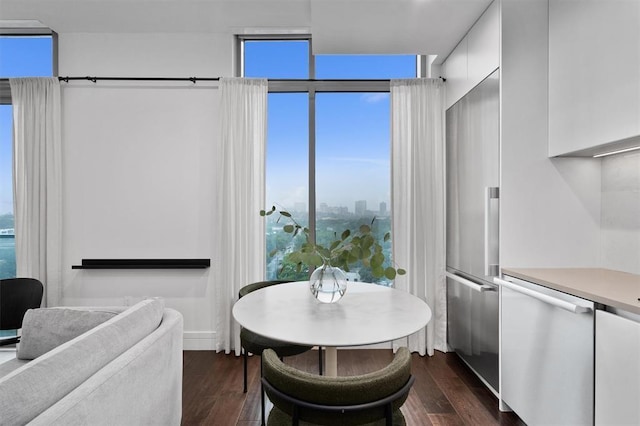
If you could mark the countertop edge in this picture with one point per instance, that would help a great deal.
(534, 275)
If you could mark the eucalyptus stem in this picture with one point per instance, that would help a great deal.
(344, 250)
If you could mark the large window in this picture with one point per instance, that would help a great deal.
(20, 56)
(328, 142)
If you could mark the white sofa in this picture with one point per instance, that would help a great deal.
(127, 370)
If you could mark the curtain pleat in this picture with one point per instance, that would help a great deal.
(37, 181)
(240, 231)
(418, 204)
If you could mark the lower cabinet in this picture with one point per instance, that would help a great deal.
(617, 368)
(547, 356)
(472, 324)
(564, 363)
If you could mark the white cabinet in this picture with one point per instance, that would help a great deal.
(617, 369)
(476, 56)
(455, 70)
(483, 46)
(549, 209)
(546, 354)
(594, 75)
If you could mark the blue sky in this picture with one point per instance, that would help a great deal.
(19, 57)
(352, 129)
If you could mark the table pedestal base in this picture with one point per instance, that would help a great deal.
(331, 361)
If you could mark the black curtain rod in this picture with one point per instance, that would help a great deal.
(194, 79)
(95, 79)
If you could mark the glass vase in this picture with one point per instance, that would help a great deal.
(328, 284)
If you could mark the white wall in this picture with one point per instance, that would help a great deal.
(621, 212)
(550, 209)
(138, 177)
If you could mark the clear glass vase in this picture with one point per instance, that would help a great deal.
(328, 284)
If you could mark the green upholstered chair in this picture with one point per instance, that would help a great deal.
(256, 343)
(307, 399)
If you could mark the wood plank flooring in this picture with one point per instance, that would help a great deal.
(445, 392)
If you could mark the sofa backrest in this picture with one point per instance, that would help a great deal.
(143, 386)
(45, 329)
(31, 389)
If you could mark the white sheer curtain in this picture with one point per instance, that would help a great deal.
(417, 201)
(37, 182)
(240, 230)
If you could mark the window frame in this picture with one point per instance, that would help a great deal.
(5, 88)
(313, 86)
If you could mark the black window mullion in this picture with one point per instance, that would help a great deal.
(312, 166)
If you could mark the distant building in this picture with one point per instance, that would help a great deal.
(361, 207)
(383, 209)
(324, 208)
(7, 233)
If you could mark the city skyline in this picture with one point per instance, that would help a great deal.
(300, 207)
(353, 148)
(352, 139)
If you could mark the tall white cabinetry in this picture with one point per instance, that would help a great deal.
(594, 76)
(549, 208)
(475, 57)
(617, 369)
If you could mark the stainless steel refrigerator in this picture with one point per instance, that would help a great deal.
(472, 144)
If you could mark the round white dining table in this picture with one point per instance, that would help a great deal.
(366, 314)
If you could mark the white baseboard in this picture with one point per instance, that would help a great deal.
(199, 340)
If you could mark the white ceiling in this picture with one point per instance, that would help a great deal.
(338, 26)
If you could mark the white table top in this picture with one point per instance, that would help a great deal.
(366, 314)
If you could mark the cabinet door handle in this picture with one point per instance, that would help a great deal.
(491, 266)
(469, 283)
(559, 303)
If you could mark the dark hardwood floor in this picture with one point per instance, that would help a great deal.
(445, 392)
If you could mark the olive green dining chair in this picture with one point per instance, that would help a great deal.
(255, 343)
(301, 398)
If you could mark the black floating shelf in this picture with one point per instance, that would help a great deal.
(143, 264)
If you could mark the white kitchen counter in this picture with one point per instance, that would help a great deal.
(612, 288)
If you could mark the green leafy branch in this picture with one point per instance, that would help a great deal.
(343, 251)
